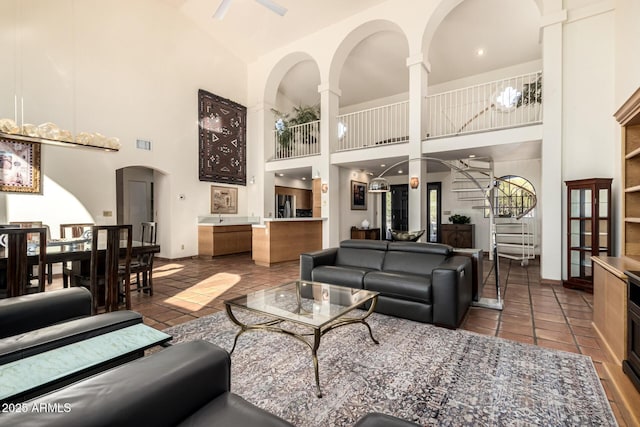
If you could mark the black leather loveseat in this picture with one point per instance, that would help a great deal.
(35, 323)
(184, 385)
(424, 282)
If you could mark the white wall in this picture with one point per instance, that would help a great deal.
(89, 66)
(590, 145)
(626, 82)
(348, 217)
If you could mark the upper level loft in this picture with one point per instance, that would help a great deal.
(501, 104)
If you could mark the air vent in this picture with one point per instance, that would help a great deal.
(143, 145)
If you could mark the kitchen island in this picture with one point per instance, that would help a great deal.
(284, 239)
(219, 235)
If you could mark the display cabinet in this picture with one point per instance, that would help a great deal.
(588, 228)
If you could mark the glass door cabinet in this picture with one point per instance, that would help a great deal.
(588, 228)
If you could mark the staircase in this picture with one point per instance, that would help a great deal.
(516, 239)
(471, 180)
(512, 225)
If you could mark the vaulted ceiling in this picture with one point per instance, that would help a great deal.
(507, 31)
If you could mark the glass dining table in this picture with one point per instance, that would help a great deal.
(76, 251)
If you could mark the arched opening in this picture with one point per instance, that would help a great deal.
(136, 201)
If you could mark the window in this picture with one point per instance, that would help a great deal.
(512, 196)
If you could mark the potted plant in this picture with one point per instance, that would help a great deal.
(301, 114)
(459, 219)
(531, 93)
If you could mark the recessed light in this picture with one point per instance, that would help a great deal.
(399, 170)
(280, 174)
(480, 52)
(304, 178)
(471, 156)
(383, 165)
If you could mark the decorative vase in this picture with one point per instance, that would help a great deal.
(365, 224)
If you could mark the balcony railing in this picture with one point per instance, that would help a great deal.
(512, 102)
(516, 101)
(297, 141)
(388, 124)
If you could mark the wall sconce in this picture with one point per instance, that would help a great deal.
(414, 182)
(325, 187)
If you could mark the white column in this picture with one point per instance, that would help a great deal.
(418, 75)
(329, 105)
(260, 194)
(550, 202)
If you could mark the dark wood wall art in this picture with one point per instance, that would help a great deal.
(222, 139)
(19, 166)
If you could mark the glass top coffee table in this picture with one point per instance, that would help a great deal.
(318, 306)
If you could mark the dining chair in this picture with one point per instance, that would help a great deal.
(17, 246)
(70, 231)
(37, 224)
(142, 265)
(110, 270)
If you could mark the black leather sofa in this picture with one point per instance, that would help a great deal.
(186, 384)
(424, 282)
(35, 323)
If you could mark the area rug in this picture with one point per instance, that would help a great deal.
(423, 373)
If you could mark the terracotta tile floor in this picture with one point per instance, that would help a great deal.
(534, 313)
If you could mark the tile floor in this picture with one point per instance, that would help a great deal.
(534, 313)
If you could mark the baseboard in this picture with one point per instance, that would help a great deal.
(550, 282)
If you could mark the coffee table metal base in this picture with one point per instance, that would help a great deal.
(317, 333)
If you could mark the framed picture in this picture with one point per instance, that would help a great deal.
(19, 166)
(358, 195)
(224, 200)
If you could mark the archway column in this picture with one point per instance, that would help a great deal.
(329, 174)
(418, 83)
(260, 193)
(550, 200)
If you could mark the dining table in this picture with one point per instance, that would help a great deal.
(74, 250)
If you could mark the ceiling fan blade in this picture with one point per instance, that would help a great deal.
(222, 10)
(273, 6)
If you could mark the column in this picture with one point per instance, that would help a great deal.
(260, 194)
(330, 175)
(418, 75)
(550, 205)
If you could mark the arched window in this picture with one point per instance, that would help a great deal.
(513, 195)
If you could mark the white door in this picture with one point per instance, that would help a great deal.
(139, 205)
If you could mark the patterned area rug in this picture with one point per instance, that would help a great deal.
(419, 372)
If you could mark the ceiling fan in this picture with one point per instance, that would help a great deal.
(274, 7)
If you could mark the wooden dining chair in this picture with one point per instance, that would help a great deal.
(37, 224)
(142, 265)
(17, 245)
(110, 271)
(70, 231)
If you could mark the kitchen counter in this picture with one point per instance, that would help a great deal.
(284, 239)
(214, 220)
(267, 220)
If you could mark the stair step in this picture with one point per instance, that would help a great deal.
(463, 190)
(516, 245)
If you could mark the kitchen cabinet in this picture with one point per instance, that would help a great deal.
(214, 240)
